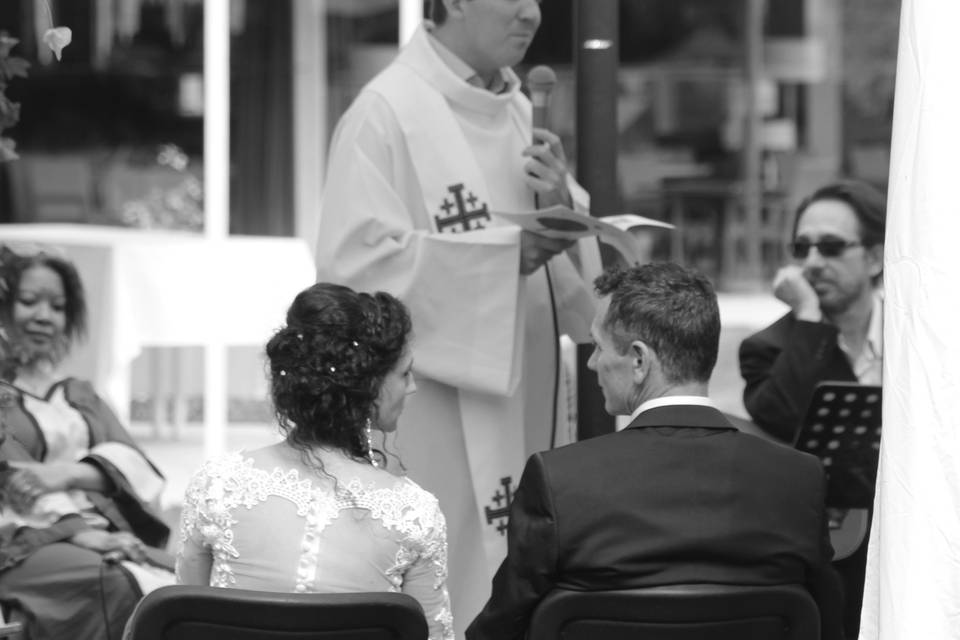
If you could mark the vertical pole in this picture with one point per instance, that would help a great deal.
(216, 119)
(750, 160)
(823, 99)
(596, 56)
(411, 15)
(309, 113)
(216, 184)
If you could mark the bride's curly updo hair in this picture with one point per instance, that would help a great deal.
(328, 364)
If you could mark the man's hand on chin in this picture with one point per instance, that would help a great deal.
(791, 287)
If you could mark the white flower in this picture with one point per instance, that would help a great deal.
(57, 38)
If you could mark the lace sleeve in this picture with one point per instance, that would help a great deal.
(194, 557)
(426, 578)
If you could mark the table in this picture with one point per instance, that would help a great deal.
(153, 288)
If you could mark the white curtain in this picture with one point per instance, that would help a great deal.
(913, 569)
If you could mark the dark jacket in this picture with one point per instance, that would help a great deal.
(782, 365)
(680, 496)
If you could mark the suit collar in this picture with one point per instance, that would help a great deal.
(680, 415)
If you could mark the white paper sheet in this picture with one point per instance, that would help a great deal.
(562, 222)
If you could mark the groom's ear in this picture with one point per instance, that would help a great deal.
(640, 355)
(646, 362)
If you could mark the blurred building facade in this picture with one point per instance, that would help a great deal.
(112, 134)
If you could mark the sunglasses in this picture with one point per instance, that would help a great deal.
(829, 248)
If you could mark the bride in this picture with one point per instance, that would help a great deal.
(318, 512)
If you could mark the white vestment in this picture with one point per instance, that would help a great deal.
(418, 164)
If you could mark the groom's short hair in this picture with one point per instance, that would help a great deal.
(671, 308)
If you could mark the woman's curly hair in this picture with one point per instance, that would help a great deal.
(327, 365)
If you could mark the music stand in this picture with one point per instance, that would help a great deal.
(842, 428)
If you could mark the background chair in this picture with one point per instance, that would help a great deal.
(681, 612)
(184, 612)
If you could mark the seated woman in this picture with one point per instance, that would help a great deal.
(74, 488)
(317, 512)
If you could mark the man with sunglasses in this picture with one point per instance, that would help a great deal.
(833, 331)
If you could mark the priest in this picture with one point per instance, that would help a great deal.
(420, 164)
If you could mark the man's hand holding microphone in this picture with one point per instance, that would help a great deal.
(546, 173)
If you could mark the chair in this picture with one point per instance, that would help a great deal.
(679, 612)
(182, 612)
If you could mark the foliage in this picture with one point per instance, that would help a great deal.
(10, 67)
(6, 261)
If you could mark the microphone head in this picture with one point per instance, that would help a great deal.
(541, 79)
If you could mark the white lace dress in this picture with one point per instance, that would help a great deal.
(263, 520)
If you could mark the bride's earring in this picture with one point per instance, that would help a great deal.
(370, 456)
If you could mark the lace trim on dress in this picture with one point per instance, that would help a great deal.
(406, 556)
(226, 483)
(406, 509)
(445, 620)
(322, 512)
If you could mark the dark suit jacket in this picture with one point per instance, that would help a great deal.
(680, 496)
(782, 365)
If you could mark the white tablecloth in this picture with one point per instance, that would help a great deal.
(147, 288)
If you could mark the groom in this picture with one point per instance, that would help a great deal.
(679, 495)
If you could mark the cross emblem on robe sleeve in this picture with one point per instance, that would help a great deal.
(468, 216)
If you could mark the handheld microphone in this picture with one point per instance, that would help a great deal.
(540, 82)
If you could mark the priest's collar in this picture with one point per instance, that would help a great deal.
(500, 83)
(422, 54)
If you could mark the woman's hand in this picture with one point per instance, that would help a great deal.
(21, 488)
(117, 545)
(61, 476)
